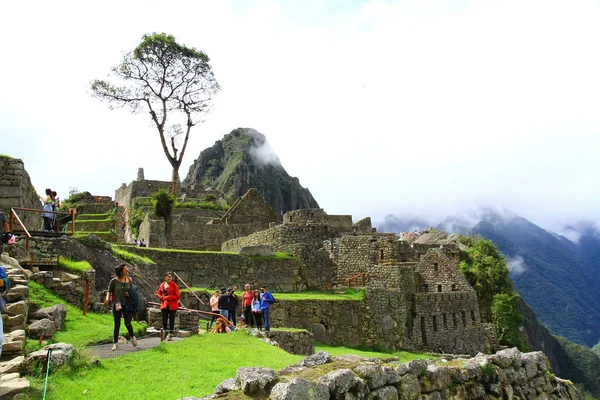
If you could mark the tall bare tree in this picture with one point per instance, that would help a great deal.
(170, 81)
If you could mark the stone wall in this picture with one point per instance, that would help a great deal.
(330, 321)
(438, 274)
(296, 342)
(184, 320)
(284, 235)
(70, 287)
(250, 209)
(507, 374)
(448, 323)
(16, 190)
(142, 188)
(217, 270)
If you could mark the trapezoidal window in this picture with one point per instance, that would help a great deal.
(472, 317)
(434, 318)
(436, 267)
(439, 288)
(445, 320)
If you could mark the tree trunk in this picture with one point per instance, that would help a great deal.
(175, 184)
(168, 230)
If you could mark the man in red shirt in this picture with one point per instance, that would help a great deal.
(247, 303)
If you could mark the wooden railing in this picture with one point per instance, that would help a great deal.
(354, 281)
(14, 215)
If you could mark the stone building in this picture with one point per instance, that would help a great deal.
(416, 297)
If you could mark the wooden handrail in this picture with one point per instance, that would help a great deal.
(353, 280)
(13, 214)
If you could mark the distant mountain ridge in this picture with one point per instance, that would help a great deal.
(242, 160)
(559, 279)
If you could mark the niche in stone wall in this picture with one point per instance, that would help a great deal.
(445, 321)
(423, 332)
(472, 317)
(454, 320)
(434, 321)
(464, 318)
(439, 287)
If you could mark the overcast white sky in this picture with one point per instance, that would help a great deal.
(404, 107)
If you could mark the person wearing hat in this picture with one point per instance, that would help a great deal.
(247, 303)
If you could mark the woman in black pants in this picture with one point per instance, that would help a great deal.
(169, 295)
(117, 288)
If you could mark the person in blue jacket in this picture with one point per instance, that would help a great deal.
(266, 299)
(4, 284)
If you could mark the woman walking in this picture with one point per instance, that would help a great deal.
(117, 290)
(169, 295)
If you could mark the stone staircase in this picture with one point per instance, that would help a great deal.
(98, 218)
(17, 298)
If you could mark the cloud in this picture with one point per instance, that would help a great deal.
(262, 154)
(516, 265)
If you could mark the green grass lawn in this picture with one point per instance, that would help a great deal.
(79, 330)
(348, 294)
(191, 367)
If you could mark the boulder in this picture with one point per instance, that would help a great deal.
(11, 388)
(61, 353)
(299, 388)
(11, 366)
(227, 386)
(57, 314)
(20, 307)
(16, 293)
(384, 393)
(43, 327)
(372, 374)
(256, 380)
(257, 250)
(320, 358)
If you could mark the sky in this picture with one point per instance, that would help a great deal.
(420, 108)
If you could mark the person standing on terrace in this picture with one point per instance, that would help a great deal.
(266, 299)
(247, 303)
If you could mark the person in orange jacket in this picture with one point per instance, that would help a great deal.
(169, 295)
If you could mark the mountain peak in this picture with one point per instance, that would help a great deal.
(243, 159)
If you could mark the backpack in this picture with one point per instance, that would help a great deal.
(5, 279)
(132, 299)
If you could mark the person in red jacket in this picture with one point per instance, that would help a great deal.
(169, 295)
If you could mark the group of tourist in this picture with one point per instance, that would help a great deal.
(224, 303)
(141, 243)
(50, 205)
(255, 306)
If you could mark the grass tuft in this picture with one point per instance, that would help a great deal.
(79, 267)
(131, 258)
